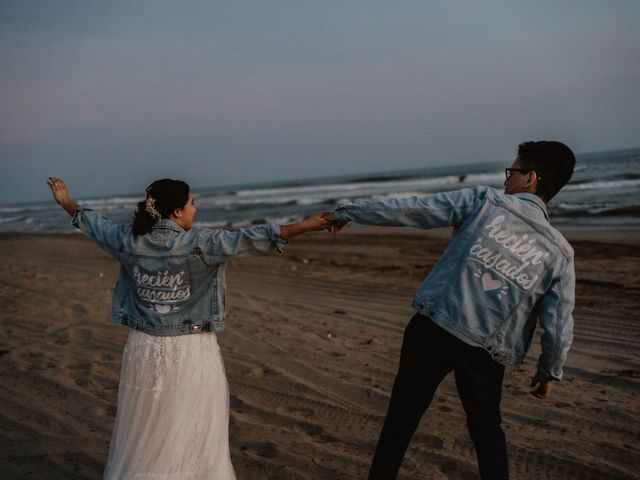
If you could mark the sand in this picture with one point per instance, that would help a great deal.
(311, 349)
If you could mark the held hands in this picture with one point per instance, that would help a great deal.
(314, 223)
(543, 389)
(335, 225)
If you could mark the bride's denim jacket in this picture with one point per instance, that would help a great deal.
(505, 268)
(172, 281)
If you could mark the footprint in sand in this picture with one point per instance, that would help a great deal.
(448, 466)
(81, 373)
(260, 371)
(264, 449)
(108, 411)
(83, 335)
(303, 411)
(431, 441)
(316, 432)
(78, 309)
(236, 404)
(107, 357)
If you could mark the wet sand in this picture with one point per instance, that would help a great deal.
(311, 349)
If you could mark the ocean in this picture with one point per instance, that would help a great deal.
(603, 193)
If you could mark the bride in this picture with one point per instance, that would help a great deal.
(172, 420)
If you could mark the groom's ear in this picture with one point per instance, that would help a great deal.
(533, 175)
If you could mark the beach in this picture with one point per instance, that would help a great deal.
(311, 348)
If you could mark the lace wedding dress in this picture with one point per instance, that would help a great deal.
(172, 421)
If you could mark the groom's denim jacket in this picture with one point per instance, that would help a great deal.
(505, 268)
(172, 281)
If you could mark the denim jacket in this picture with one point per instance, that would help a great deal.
(172, 281)
(505, 268)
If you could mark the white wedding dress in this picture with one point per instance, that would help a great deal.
(172, 421)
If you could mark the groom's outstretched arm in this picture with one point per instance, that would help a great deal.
(428, 211)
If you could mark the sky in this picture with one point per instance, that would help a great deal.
(112, 95)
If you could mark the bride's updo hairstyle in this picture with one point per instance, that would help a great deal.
(162, 198)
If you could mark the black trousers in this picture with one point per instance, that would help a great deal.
(428, 354)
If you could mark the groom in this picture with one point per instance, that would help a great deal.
(505, 269)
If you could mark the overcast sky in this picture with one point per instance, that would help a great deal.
(111, 95)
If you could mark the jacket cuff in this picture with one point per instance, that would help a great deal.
(75, 218)
(341, 213)
(274, 235)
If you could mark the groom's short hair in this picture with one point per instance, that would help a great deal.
(552, 161)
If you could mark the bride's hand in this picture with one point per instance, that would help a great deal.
(59, 190)
(61, 195)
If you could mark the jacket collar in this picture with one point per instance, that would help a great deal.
(166, 224)
(533, 198)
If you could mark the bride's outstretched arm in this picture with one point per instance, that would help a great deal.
(61, 195)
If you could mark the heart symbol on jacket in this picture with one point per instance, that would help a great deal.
(163, 308)
(488, 283)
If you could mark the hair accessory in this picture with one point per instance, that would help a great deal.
(150, 207)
